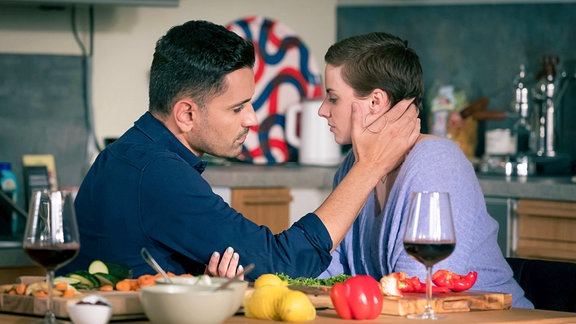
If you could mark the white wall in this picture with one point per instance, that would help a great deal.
(125, 38)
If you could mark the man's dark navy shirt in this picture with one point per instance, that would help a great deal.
(146, 190)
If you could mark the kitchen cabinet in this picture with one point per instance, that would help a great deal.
(14, 262)
(546, 230)
(264, 206)
(11, 274)
(304, 200)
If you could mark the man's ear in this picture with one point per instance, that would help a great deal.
(184, 113)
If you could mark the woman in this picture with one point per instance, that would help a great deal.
(374, 72)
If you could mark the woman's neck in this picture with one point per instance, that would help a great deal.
(384, 186)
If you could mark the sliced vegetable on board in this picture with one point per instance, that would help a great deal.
(398, 283)
(119, 271)
(454, 281)
(304, 281)
(87, 280)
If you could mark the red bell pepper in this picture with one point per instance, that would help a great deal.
(358, 297)
(421, 288)
(397, 283)
(454, 281)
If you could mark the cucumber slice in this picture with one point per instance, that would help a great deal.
(68, 280)
(106, 279)
(86, 279)
(97, 266)
(119, 271)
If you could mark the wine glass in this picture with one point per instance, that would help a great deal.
(51, 237)
(429, 236)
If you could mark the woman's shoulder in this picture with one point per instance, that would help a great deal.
(429, 140)
(436, 153)
(432, 145)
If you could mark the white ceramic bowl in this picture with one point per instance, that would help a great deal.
(186, 304)
(89, 313)
(238, 286)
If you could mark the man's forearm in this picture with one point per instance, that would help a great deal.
(340, 209)
(377, 152)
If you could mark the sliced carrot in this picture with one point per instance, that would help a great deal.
(41, 294)
(69, 293)
(186, 275)
(12, 292)
(146, 280)
(123, 285)
(62, 286)
(20, 289)
(107, 288)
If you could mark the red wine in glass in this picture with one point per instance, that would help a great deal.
(429, 253)
(51, 237)
(54, 256)
(429, 237)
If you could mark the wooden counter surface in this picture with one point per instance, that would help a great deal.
(515, 315)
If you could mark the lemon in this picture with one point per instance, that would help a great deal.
(262, 302)
(269, 279)
(295, 306)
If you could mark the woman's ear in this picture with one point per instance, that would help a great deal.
(380, 102)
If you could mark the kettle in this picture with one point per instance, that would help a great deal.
(315, 142)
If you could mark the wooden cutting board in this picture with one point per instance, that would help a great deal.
(414, 303)
(125, 304)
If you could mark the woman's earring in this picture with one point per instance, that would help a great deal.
(383, 128)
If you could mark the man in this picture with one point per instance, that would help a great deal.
(146, 189)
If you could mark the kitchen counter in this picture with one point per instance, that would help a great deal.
(560, 188)
(296, 176)
(293, 175)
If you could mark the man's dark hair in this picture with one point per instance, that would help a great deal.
(192, 60)
(379, 61)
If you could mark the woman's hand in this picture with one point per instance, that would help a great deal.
(225, 266)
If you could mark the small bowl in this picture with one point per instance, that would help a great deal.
(186, 304)
(90, 313)
(238, 286)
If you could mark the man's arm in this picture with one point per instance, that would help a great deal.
(378, 151)
(379, 148)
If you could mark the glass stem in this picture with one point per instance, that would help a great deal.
(49, 317)
(428, 309)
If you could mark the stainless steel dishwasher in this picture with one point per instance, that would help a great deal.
(503, 210)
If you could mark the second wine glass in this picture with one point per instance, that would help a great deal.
(51, 238)
(429, 236)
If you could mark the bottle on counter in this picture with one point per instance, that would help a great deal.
(9, 186)
(522, 110)
(546, 110)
